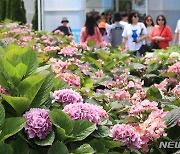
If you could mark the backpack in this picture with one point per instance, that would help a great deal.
(115, 36)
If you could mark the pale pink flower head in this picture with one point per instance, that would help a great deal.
(126, 134)
(38, 123)
(69, 51)
(59, 32)
(86, 111)
(122, 94)
(66, 96)
(175, 68)
(131, 84)
(71, 79)
(143, 106)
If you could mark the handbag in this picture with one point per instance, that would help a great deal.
(154, 45)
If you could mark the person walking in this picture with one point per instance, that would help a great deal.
(177, 33)
(64, 27)
(134, 33)
(161, 34)
(115, 35)
(90, 31)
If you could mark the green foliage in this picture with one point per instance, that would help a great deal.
(84, 149)
(5, 148)
(2, 10)
(11, 126)
(2, 115)
(58, 147)
(172, 117)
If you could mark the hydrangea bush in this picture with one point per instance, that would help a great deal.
(67, 97)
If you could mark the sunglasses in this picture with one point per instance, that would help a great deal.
(160, 19)
(149, 20)
(135, 16)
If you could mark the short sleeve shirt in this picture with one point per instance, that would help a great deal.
(177, 30)
(132, 33)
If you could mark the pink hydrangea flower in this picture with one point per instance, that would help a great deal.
(67, 96)
(153, 128)
(38, 123)
(69, 51)
(51, 49)
(122, 94)
(143, 106)
(71, 79)
(126, 134)
(86, 111)
(175, 68)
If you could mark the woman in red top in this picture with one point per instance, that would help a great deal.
(161, 33)
(91, 31)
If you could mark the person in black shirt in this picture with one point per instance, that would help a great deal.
(64, 27)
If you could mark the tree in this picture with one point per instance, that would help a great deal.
(8, 9)
(2, 10)
(35, 17)
(18, 11)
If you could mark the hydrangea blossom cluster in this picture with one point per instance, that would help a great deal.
(86, 111)
(51, 49)
(154, 127)
(176, 90)
(67, 96)
(71, 79)
(69, 51)
(3, 90)
(126, 134)
(58, 66)
(175, 68)
(122, 94)
(38, 123)
(143, 106)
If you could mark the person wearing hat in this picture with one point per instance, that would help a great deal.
(64, 27)
(102, 28)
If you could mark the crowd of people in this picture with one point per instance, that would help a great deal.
(126, 29)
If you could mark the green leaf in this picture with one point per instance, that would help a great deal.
(20, 147)
(137, 66)
(44, 91)
(99, 146)
(172, 117)
(20, 104)
(2, 115)
(82, 129)
(153, 68)
(84, 149)
(5, 148)
(103, 131)
(153, 94)
(111, 65)
(61, 119)
(91, 43)
(112, 144)
(72, 67)
(29, 58)
(47, 141)
(12, 126)
(58, 148)
(88, 83)
(30, 86)
(95, 62)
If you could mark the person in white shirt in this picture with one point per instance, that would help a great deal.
(177, 33)
(149, 24)
(134, 33)
(124, 19)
